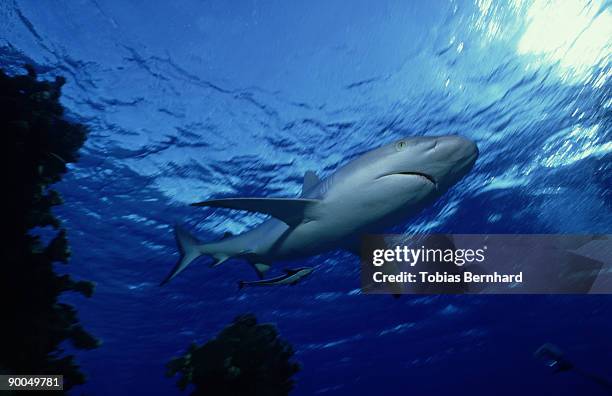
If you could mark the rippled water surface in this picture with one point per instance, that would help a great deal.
(190, 100)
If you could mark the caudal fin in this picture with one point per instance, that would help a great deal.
(190, 249)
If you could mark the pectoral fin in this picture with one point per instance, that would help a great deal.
(291, 211)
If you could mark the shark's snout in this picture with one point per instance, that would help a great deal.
(441, 160)
(447, 159)
(456, 148)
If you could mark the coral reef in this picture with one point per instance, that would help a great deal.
(246, 358)
(40, 141)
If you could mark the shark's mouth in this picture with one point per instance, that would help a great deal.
(429, 178)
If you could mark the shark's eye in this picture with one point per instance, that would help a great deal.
(399, 146)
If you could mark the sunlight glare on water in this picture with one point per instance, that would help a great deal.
(579, 144)
(575, 33)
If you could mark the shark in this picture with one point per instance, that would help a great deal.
(376, 190)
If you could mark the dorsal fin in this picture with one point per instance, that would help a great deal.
(226, 235)
(310, 180)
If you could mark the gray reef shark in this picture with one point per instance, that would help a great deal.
(378, 189)
(291, 278)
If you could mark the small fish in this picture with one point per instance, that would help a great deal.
(291, 277)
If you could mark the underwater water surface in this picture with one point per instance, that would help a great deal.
(197, 99)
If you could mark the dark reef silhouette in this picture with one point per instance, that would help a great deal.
(40, 141)
(246, 358)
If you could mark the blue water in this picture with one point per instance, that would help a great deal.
(190, 100)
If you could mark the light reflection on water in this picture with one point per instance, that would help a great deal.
(575, 33)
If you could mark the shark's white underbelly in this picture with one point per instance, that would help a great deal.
(341, 228)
